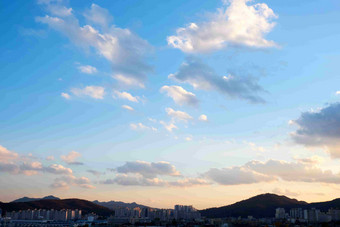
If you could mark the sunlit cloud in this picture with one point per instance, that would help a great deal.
(203, 117)
(126, 107)
(178, 115)
(180, 95)
(125, 95)
(7, 155)
(65, 95)
(238, 22)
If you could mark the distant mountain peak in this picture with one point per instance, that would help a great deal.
(262, 205)
(27, 199)
(118, 204)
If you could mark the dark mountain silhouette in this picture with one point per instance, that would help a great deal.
(84, 205)
(27, 199)
(259, 206)
(117, 204)
(324, 206)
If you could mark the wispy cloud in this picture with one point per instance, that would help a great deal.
(168, 126)
(66, 181)
(71, 157)
(95, 92)
(127, 107)
(199, 75)
(141, 126)
(178, 115)
(125, 50)
(88, 69)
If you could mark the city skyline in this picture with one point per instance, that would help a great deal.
(160, 103)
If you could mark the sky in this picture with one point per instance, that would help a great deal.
(203, 103)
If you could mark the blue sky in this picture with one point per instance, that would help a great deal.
(169, 97)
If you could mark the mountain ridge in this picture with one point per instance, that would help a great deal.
(264, 205)
(259, 206)
(28, 199)
(118, 204)
(84, 205)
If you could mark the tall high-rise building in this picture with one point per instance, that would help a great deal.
(280, 213)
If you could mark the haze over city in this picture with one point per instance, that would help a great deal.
(203, 103)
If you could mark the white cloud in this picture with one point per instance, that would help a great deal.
(127, 107)
(178, 115)
(95, 92)
(180, 95)
(337, 92)
(125, 95)
(71, 157)
(65, 95)
(168, 126)
(239, 23)
(203, 117)
(125, 50)
(88, 69)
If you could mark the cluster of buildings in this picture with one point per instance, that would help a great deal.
(147, 215)
(308, 215)
(42, 214)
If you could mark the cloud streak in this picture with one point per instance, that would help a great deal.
(95, 92)
(202, 77)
